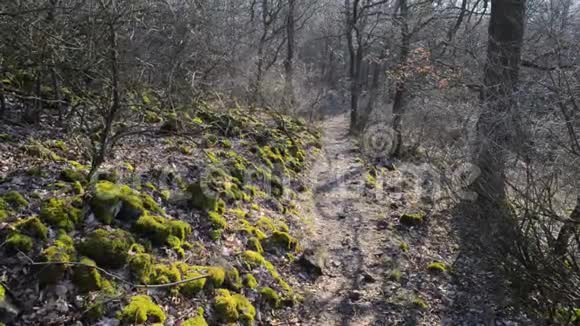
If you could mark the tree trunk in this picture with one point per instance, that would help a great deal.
(288, 63)
(506, 31)
(400, 84)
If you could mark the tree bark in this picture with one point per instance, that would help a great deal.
(506, 31)
(288, 63)
(400, 84)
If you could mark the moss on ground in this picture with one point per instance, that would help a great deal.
(61, 251)
(87, 278)
(198, 320)
(15, 199)
(107, 248)
(413, 219)
(232, 308)
(141, 309)
(61, 213)
(254, 259)
(250, 281)
(437, 267)
(111, 201)
(270, 296)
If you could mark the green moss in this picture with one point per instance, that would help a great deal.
(198, 320)
(3, 215)
(185, 150)
(141, 266)
(150, 204)
(191, 288)
(370, 181)
(200, 200)
(404, 246)
(59, 144)
(62, 250)
(165, 194)
(78, 188)
(217, 220)
(420, 303)
(233, 307)
(15, 199)
(72, 175)
(282, 240)
(19, 242)
(152, 117)
(233, 279)
(217, 275)
(270, 296)
(254, 259)
(395, 275)
(37, 149)
(141, 309)
(111, 201)
(437, 267)
(250, 281)
(111, 176)
(107, 248)
(216, 234)
(159, 229)
(238, 212)
(412, 219)
(32, 226)
(255, 245)
(87, 278)
(164, 274)
(266, 224)
(60, 213)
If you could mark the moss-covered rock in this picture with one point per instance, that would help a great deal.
(200, 199)
(19, 242)
(159, 229)
(412, 219)
(61, 251)
(270, 296)
(141, 309)
(282, 240)
(141, 266)
(107, 248)
(61, 213)
(15, 199)
(198, 320)
(72, 175)
(111, 201)
(32, 226)
(250, 281)
(233, 279)
(232, 308)
(192, 288)
(165, 274)
(86, 277)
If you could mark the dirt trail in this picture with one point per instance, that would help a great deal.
(376, 269)
(345, 224)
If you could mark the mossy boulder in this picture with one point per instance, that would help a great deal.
(231, 308)
(86, 277)
(15, 199)
(141, 309)
(61, 251)
(33, 227)
(192, 288)
(111, 201)
(270, 296)
(198, 320)
(61, 213)
(72, 175)
(107, 248)
(141, 266)
(413, 219)
(201, 199)
(165, 274)
(160, 230)
(19, 242)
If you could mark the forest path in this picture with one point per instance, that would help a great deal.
(376, 269)
(345, 222)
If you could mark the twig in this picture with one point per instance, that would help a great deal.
(153, 286)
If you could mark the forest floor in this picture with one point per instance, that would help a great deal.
(376, 269)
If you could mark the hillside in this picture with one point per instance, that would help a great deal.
(206, 195)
